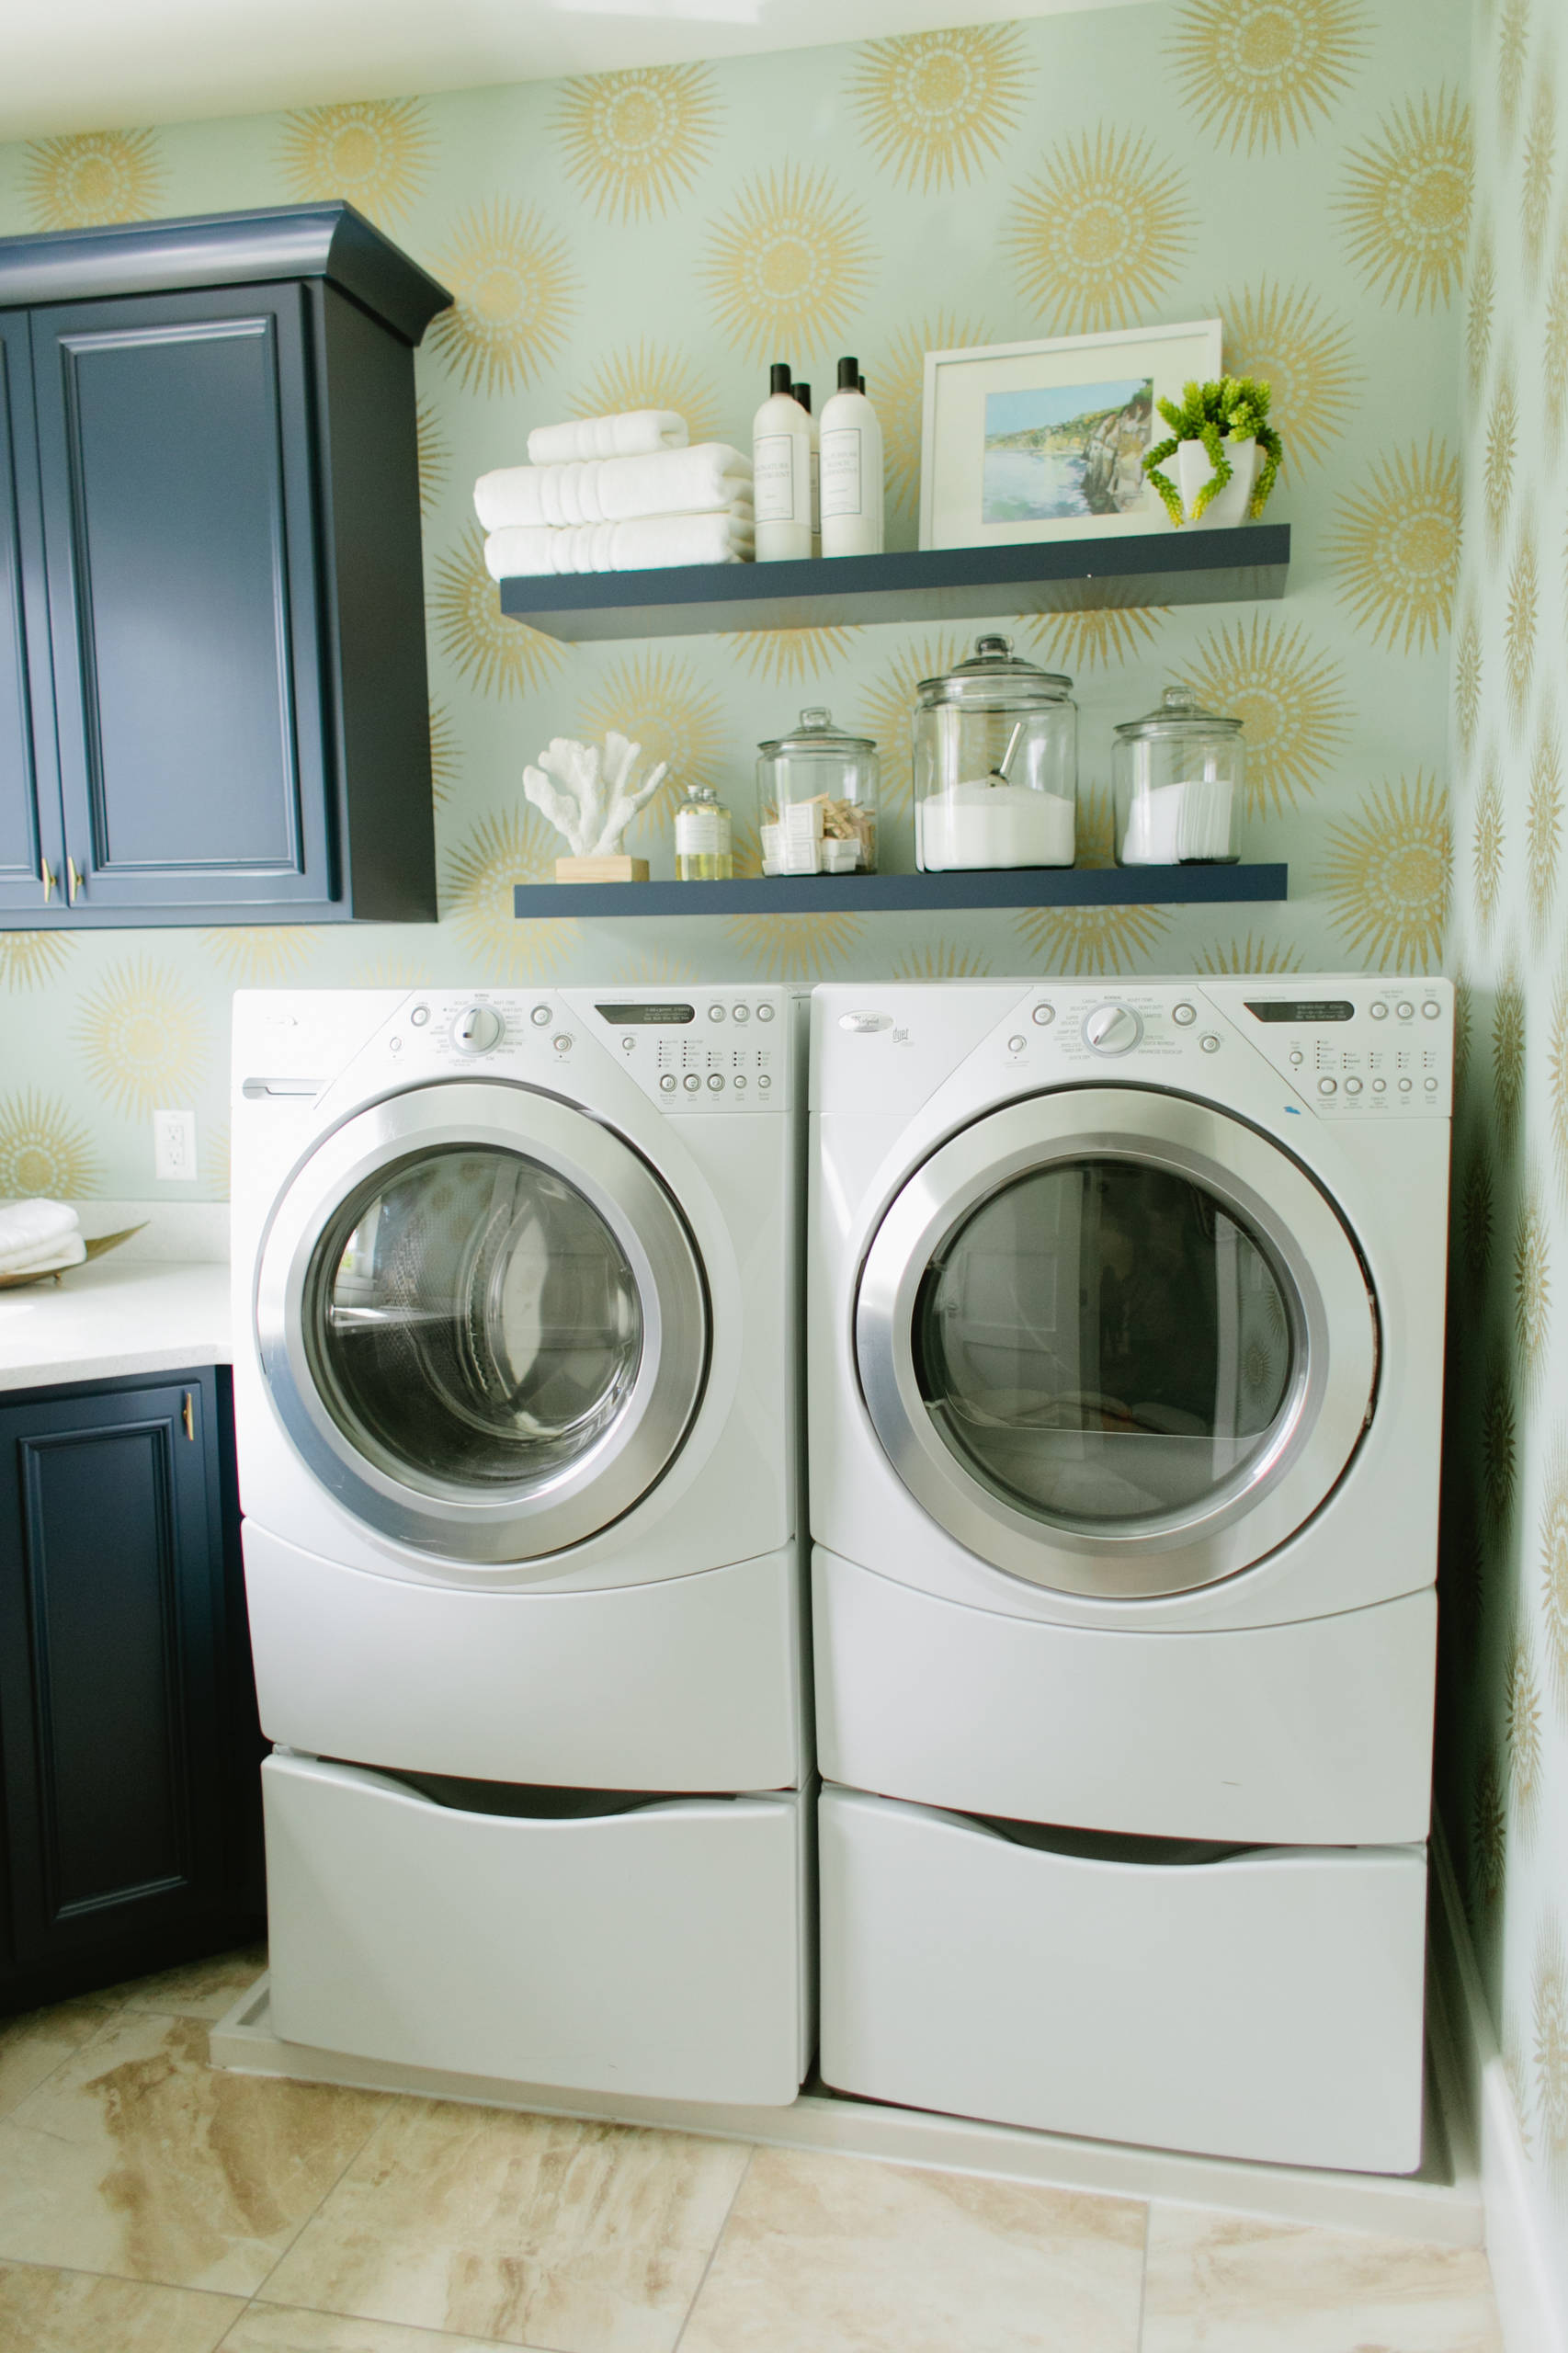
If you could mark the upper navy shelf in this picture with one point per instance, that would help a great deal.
(933, 584)
(1032, 886)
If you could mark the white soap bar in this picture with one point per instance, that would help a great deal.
(983, 825)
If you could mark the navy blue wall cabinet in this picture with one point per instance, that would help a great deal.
(933, 584)
(866, 895)
(214, 701)
(129, 1747)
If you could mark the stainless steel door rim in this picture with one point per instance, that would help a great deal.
(1314, 1262)
(490, 1527)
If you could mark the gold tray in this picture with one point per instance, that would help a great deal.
(96, 1249)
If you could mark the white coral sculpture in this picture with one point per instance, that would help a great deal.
(594, 795)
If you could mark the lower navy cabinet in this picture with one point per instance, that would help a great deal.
(128, 1743)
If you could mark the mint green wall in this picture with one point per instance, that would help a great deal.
(1302, 167)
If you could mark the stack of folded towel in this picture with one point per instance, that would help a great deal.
(36, 1237)
(617, 494)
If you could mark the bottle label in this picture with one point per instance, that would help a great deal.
(701, 832)
(773, 477)
(841, 492)
(816, 492)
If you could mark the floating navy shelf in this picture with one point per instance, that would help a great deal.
(933, 584)
(1033, 886)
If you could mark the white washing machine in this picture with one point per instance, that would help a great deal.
(515, 1306)
(1125, 1366)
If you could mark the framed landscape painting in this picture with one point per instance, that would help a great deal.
(1047, 440)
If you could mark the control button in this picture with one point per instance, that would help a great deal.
(715, 1083)
(739, 1079)
(420, 1016)
(1379, 1010)
(1379, 1085)
(1353, 1086)
(1298, 1059)
(691, 1082)
(1112, 1029)
(765, 1013)
(630, 1044)
(667, 1084)
(1406, 1012)
(477, 1029)
(1044, 1014)
(1404, 1085)
(1431, 1086)
(764, 1082)
(1184, 1014)
(562, 1042)
(743, 1013)
(1328, 1086)
(1209, 1044)
(1017, 1045)
(539, 1015)
(715, 1013)
(1430, 1010)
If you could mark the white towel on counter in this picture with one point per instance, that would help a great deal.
(703, 480)
(635, 433)
(647, 543)
(38, 1234)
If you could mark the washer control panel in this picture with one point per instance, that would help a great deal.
(715, 1049)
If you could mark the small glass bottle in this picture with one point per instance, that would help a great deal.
(703, 837)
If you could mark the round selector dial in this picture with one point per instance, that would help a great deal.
(1112, 1029)
(477, 1029)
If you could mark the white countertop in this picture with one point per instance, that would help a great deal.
(126, 1312)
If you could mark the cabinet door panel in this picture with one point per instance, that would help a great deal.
(175, 453)
(108, 1665)
(30, 790)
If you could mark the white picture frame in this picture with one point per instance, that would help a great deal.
(999, 463)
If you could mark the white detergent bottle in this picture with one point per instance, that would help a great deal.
(782, 473)
(803, 394)
(851, 469)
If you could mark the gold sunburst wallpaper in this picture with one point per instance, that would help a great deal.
(1395, 544)
(634, 143)
(1101, 234)
(789, 264)
(934, 108)
(1405, 205)
(514, 291)
(1266, 71)
(1306, 356)
(373, 153)
(90, 177)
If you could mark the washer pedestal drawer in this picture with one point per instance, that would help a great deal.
(657, 1951)
(1264, 2002)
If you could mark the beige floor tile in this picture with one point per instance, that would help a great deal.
(136, 2158)
(201, 1989)
(278, 2328)
(31, 2047)
(587, 2238)
(835, 2255)
(1220, 2283)
(43, 2311)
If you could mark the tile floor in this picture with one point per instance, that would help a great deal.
(149, 2205)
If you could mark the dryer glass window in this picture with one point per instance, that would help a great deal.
(474, 1322)
(1104, 1341)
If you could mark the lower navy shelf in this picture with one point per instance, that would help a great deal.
(1033, 886)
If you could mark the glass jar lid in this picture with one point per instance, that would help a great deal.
(1180, 713)
(994, 672)
(816, 733)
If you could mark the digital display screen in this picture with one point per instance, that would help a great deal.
(1333, 1008)
(647, 1016)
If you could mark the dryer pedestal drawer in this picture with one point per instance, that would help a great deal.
(658, 1952)
(1266, 2006)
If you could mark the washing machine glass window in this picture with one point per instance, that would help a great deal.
(1116, 1342)
(482, 1321)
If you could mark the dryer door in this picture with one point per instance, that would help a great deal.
(1116, 1342)
(483, 1319)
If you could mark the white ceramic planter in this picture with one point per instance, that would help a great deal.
(1194, 467)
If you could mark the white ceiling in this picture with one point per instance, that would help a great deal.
(97, 64)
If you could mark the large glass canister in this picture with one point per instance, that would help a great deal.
(816, 792)
(1179, 776)
(996, 764)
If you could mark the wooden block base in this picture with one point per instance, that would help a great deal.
(601, 869)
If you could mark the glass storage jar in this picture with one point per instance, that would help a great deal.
(996, 764)
(1179, 775)
(817, 794)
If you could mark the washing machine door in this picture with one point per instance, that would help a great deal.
(1116, 1342)
(483, 1319)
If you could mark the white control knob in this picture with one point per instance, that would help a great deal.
(1112, 1029)
(477, 1029)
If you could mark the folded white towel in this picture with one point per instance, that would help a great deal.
(46, 1258)
(635, 433)
(648, 543)
(27, 1227)
(610, 490)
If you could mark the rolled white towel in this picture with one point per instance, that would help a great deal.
(69, 1251)
(648, 543)
(634, 433)
(27, 1227)
(612, 490)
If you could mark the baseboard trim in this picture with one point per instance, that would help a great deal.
(1532, 2320)
(1441, 2205)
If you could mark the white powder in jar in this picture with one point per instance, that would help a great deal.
(979, 823)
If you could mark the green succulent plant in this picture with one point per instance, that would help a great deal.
(1232, 409)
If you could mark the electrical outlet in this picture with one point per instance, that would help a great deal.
(173, 1146)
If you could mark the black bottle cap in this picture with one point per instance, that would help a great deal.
(778, 377)
(849, 379)
(859, 383)
(803, 394)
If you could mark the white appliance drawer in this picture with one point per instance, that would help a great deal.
(658, 1952)
(1264, 2004)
